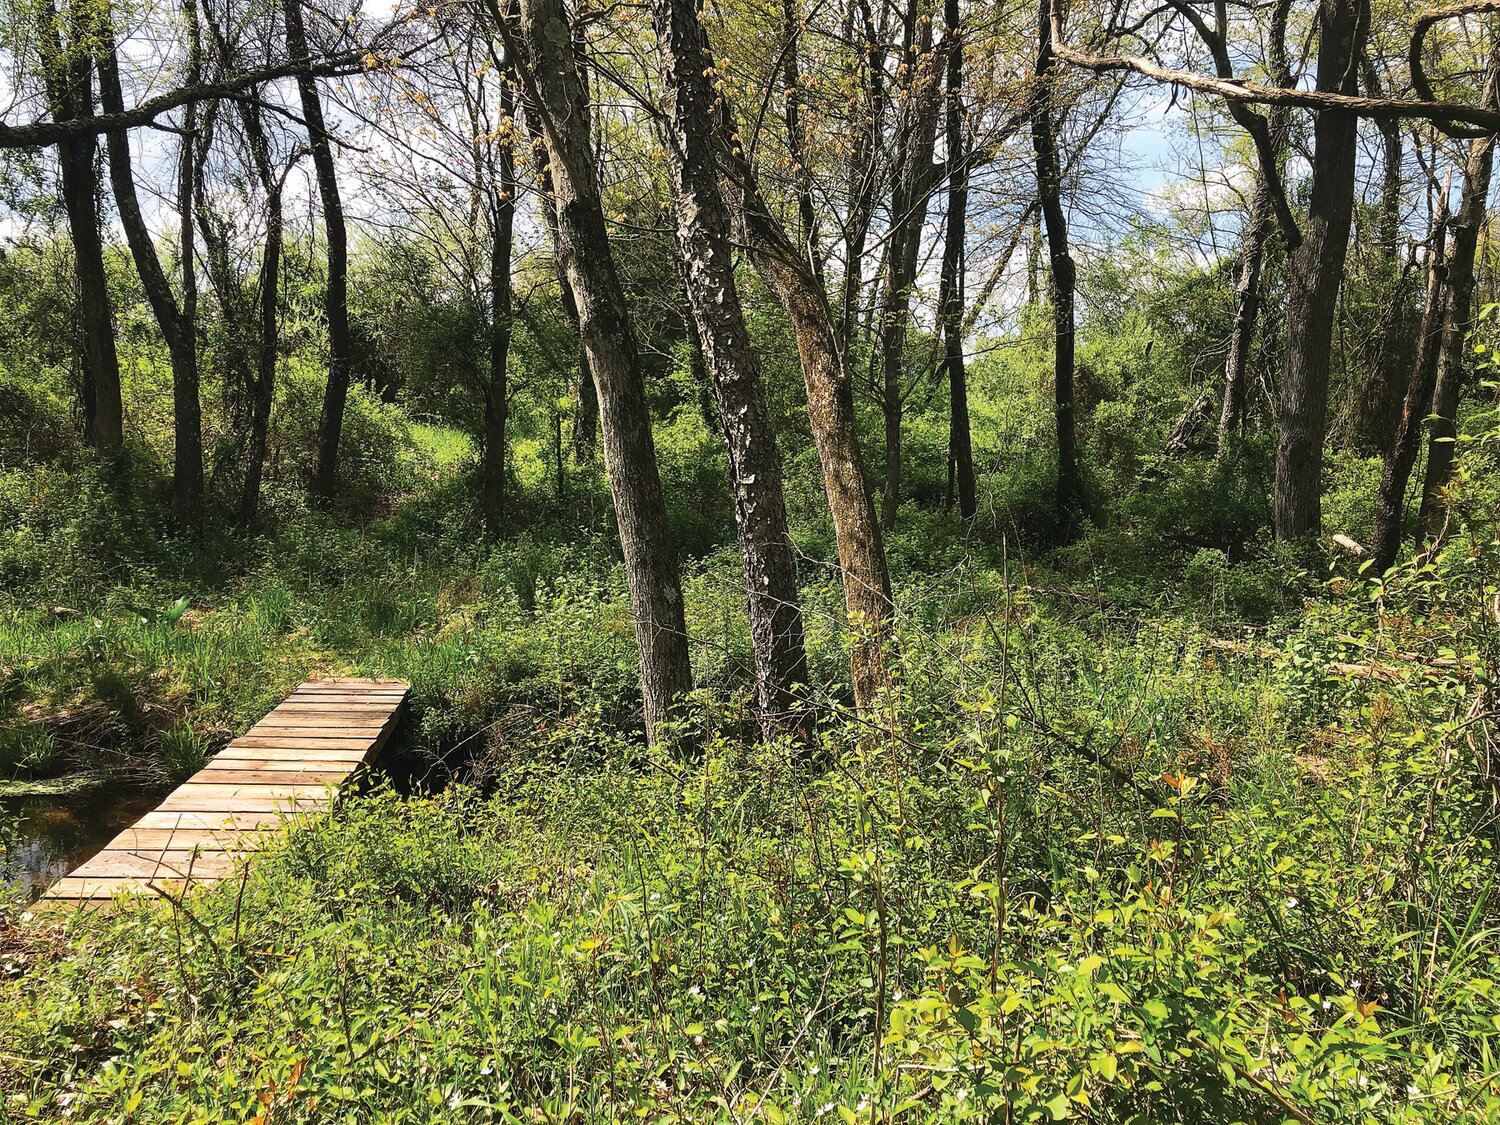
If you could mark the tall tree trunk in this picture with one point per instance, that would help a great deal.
(951, 284)
(911, 192)
(1401, 456)
(1258, 229)
(177, 322)
(585, 400)
(1441, 444)
(604, 322)
(1375, 414)
(754, 466)
(68, 72)
(1314, 274)
(263, 389)
(497, 387)
(336, 296)
(1069, 497)
(830, 412)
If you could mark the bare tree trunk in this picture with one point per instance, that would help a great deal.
(1458, 321)
(830, 411)
(1258, 229)
(1069, 497)
(911, 191)
(951, 284)
(68, 72)
(754, 465)
(604, 323)
(1401, 456)
(1315, 272)
(1380, 393)
(497, 387)
(264, 387)
(1246, 314)
(177, 322)
(336, 297)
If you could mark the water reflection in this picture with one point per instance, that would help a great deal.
(44, 836)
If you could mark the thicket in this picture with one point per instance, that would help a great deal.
(1167, 824)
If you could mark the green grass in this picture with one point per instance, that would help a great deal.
(1149, 831)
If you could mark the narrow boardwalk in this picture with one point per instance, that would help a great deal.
(288, 764)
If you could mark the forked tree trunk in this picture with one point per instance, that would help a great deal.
(68, 75)
(703, 230)
(951, 283)
(1069, 498)
(1459, 319)
(830, 412)
(177, 322)
(336, 296)
(1314, 273)
(604, 323)
(1401, 456)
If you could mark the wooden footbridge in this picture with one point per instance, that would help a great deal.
(289, 764)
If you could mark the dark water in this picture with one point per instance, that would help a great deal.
(42, 838)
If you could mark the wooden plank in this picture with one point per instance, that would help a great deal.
(244, 802)
(310, 737)
(175, 864)
(228, 820)
(338, 768)
(270, 774)
(221, 839)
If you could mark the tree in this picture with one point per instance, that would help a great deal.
(912, 184)
(67, 69)
(178, 322)
(583, 250)
(830, 411)
(336, 239)
(1458, 314)
(951, 283)
(724, 342)
(1401, 456)
(1068, 499)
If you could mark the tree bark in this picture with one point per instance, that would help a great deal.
(177, 322)
(911, 191)
(1458, 320)
(1315, 272)
(1401, 455)
(604, 323)
(336, 296)
(1069, 497)
(951, 283)
(1377, 408)
(502, 190)
(830, 412)
(1269, 195)
(703, 240)
(264, 387)
(68, 74)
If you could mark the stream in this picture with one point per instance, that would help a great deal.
(43, 836)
